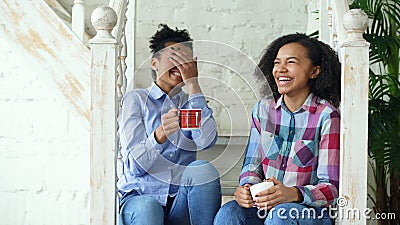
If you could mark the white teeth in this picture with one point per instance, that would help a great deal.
(176, 74)
(284, 79)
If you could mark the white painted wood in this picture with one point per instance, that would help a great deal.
(104, 53)
(49, 42)
(354, 119)
(324, 30)
(78, 18)
(339, 7)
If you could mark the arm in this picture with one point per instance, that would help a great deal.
(207, 135)
(139, 151)
(252, 171)
(326, 191)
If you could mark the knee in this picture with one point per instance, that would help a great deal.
(142, 206)
(200, 172)
(228, 213)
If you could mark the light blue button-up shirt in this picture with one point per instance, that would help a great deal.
(151, 168)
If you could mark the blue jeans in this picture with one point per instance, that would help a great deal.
(193, 204)
(287, 213)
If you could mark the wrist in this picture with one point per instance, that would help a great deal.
(299, 195)
(159, 135)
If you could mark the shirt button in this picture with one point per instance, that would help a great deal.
(169, 180)
(171, 155)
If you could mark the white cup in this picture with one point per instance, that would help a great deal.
(257, 188)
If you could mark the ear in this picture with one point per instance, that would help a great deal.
(154, 64)
(315, 72)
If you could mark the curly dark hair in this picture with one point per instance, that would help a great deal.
(326, 85)
(166, 34)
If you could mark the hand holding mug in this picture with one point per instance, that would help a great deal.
(169, 125)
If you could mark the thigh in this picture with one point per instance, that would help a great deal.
(199, 196)
(141, 210)
(294, 213)
(233, 214)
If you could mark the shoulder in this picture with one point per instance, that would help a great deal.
(326, 109)
(136, 95)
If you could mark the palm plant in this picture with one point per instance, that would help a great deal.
(384, 102)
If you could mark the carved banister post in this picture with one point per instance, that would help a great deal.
(78, 18)
(354, 120)
(103, 71)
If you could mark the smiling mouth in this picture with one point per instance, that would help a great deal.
(176, 74)
(174, 71)
(284, 80)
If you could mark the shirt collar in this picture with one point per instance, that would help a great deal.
(156, 92)
(310, 104)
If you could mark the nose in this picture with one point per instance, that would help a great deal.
(281, 67)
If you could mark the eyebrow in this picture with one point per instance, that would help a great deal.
(288, 58)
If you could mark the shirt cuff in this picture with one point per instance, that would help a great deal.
(303, 192)
(249, 180)
(197, 101)
(155, 144)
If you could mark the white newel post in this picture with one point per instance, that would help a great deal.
(354, 120)
(103, 117)
(78, 18)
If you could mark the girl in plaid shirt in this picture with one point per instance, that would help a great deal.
(294, 138)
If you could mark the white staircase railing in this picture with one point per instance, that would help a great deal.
(346, 28)
(108, 85)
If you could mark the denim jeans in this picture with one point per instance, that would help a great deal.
(195, 203)
(287, 213)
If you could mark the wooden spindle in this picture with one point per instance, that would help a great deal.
(78, 18)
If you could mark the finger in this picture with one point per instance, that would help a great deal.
(167, 119)
(268, 191)
(178, 59)
(181, 56)
(171, 113)
(245, 191)
(244, 203)
(273, 179)
(173, 109)
(247, 186)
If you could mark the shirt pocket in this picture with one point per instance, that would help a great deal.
(304, 153)
(271, 144)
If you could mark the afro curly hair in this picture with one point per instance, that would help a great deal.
(326, 85)
(166, 34)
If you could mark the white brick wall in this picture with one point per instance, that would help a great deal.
(248, 26)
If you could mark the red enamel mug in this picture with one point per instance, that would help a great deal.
(189, 119)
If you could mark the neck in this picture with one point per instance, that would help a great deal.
(293, 103)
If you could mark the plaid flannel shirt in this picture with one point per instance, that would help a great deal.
(300, 149)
